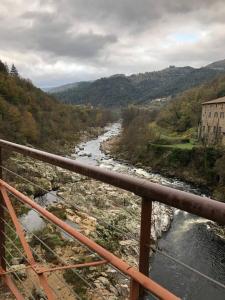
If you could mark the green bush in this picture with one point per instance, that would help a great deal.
(78, 284)
(58, 212)
(179, 157)
(51, 239)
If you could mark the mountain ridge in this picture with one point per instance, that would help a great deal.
(119, 90)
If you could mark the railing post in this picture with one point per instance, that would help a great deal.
(134, 290)
(2, 225)
(145, 237)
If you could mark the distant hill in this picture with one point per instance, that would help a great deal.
(183, 113)
(120, 90)
(64, 87)
(218, 65)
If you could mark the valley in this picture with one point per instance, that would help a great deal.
(112, 150)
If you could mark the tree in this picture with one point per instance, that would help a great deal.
(13, 71)
(29, 128)
(3, 68)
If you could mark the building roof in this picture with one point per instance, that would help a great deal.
(218, 100)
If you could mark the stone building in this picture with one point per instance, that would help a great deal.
(212, 127)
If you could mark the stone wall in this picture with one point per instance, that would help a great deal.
(213, 123)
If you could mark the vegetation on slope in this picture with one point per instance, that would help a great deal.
(166, 140)
(120, 90)
(184, 111)
(28, 115)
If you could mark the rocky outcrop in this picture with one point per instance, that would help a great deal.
(108, 215)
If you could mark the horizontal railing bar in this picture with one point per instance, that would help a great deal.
(143, 280)
(203, 207)
(84, 265)
(12, 271)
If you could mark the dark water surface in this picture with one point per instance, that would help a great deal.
(189, 240)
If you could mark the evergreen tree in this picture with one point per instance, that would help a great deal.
(14, 71)
(3, 67)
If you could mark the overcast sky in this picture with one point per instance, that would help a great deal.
(54, 42)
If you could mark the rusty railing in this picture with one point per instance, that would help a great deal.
(149, 192)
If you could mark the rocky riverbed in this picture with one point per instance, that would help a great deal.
(111, 217)
(110, 147)
(104, 213)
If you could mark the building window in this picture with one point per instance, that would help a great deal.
(210, 114)
(209, 128)
(203, 128)
(216, 115)
(214, 129)
(222, 115)
(219, 129)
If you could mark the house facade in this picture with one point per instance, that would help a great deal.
(212, 127)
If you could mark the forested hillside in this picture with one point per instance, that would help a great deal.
(28, 115)
(184, 111)
(180, 115)
(166, 140)
(120, 90)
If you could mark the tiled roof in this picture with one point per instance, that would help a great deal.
(218, 100)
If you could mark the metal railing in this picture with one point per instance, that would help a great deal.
(149, 192)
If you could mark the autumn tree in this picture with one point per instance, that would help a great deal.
(28, 115)
(29, 128)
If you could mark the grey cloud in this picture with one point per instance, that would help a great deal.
(206, 50)
(84, 46)
(51, 34)
(95, 38)
(136, 14)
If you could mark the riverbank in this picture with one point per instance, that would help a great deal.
(106, 214)
(192, 240)
(95, 197)
(198, 166)
(112, 147)
(44, 177)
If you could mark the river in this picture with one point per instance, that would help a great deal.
(189, 239)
